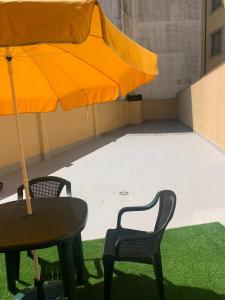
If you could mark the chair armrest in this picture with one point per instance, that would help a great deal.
(135, 237)
(135, 208)
(68, 189)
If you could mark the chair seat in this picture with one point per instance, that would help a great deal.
(135, 250)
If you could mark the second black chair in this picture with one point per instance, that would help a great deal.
(122, 244)
(46, 187)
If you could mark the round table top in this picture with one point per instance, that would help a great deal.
(53, 221)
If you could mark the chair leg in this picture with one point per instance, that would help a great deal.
(159, 275)
(17, 265)
(12, 261)
(65, 251)
(79, 259)
(29, 253)
(108, 264)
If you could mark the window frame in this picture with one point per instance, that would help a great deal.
(214, 8)
(212, 35)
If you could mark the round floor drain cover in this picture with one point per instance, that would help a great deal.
(124, 193)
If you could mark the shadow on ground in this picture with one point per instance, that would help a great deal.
(193, 263)
(67, 158)
(130, 286)
(127, 286)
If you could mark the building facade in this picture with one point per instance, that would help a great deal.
(171, 28)
(215, 33)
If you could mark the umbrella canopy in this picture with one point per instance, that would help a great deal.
(66, 51)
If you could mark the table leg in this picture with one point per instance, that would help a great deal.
(65, 251)
(12, 262)
(79, 259)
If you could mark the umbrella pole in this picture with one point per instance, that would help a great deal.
(23, 161)
(18, 125)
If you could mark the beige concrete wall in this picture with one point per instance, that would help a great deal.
(215, 20)
(47, 134)
(9, 150)
(202, 106)
(135, 112)
(107, 117)
(159, 109)
(61, 128)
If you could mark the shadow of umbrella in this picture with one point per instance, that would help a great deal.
(69, 157)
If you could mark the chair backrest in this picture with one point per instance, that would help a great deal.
(167, 204)
(45, 187)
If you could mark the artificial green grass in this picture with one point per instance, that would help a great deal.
(193, 262)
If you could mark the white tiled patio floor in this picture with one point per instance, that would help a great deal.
(139, 160)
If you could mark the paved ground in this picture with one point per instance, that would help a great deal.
(139, 160)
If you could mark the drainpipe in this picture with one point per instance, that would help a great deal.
(121, 14)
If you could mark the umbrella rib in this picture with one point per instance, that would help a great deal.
(87, 63)
(11, 53)
(25, 51)
(95, 36)
(30, 56)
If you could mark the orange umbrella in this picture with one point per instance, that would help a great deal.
(64, 51)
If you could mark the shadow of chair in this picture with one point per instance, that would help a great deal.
(131, 286)
(125, 284)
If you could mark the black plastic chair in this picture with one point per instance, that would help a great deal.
(45, 187)
(123, 244)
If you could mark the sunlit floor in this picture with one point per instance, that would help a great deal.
(129, 166)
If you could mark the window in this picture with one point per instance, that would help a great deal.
(216, 4)
(216, 42)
